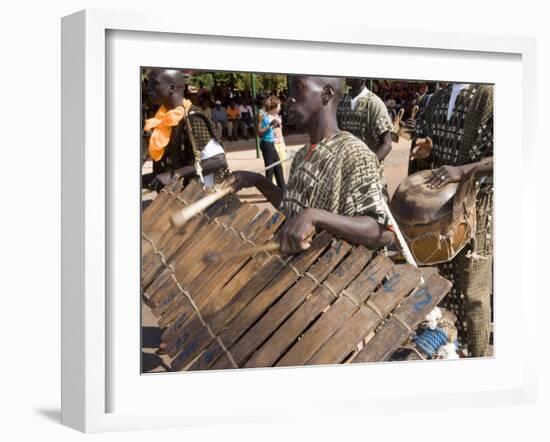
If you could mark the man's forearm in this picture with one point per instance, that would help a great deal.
(208, 166)
(214, 163)
(359, 230)
(384, 147)
(273, 193)
(483, 167)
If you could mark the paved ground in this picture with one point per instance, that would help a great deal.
(241, 155)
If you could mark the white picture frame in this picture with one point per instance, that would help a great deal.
(91, 320)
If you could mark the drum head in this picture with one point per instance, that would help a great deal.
(415, 203)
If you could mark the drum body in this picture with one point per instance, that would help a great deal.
(436, 223)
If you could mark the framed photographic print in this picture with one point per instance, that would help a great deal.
(360, 258)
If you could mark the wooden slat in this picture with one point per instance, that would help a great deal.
(195, 228)
(412, 311)
(212, 297)
(289, 302)
(339, 312)
(192, 264)
(224, 269)
(290, 330)
(162, 223)
(190, 249)
(193, 192)
(206, 278)
(404, 279)
(258, 233)
(164, 198)
(193, 341)
(162, 283)
(169, 243)
(276, 287)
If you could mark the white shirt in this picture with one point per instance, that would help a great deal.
(212, 149)
(243, 108)
(457, 87)
(361, 94)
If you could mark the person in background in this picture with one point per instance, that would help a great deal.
(274, 115)
(364, 114)
(246, 117)
(202, 92)
(181, 140)
(265, 128)
(219, 116)
(234, 117)
(204, 104)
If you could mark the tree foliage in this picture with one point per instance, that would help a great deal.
(240, 80)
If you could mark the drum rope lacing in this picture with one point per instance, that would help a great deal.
(157, 251)
(445, 239)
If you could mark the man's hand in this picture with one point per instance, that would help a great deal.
(296, 234)
(159, 181)
(156, 184)
(241, 179)
(445, 175)
(422, 149)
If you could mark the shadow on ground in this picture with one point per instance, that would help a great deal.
(151, 362)
(150, 337)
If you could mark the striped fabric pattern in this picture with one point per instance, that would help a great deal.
(368, 121)
(341, 175)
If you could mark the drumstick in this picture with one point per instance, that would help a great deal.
(214, 257)
(181, 217)
(275, 164)
(271, 246)
(400, 239)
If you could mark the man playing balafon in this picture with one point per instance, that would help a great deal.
(335, 181)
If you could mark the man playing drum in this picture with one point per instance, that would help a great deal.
(335, 181)
(454, 135)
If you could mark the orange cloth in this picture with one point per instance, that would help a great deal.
(234, 113)
(162, 124)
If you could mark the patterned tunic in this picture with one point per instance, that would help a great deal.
(466, 138)
(180, 151)
(368, 121)
(341, 175)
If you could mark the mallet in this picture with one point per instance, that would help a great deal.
(271, 246)
(180, 218)
(214, 257)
